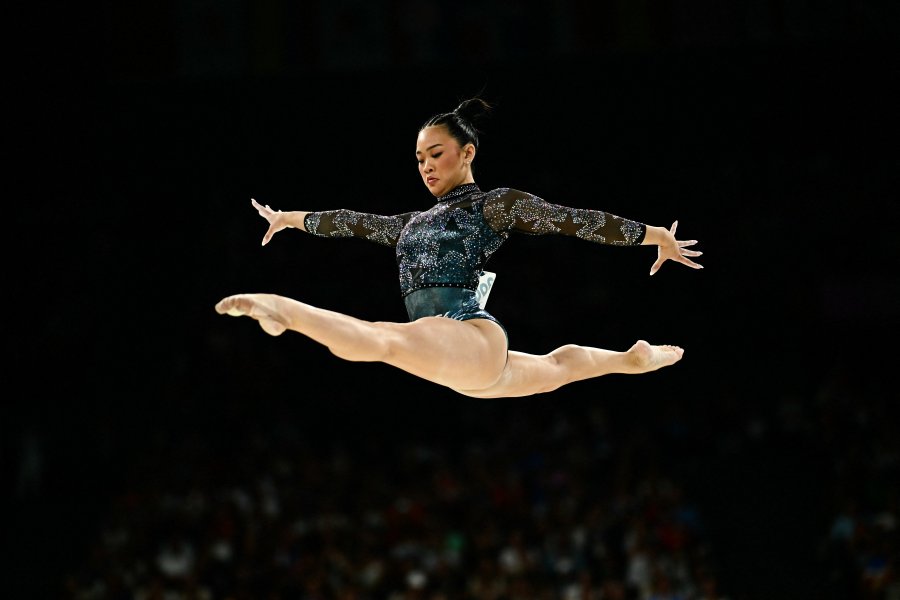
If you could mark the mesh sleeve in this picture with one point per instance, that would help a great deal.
(345, 223)
(517, 211)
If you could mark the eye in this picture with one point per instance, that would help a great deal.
(436, 155)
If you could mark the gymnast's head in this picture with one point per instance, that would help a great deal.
(446, 146)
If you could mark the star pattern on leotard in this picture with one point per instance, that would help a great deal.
(461, 225)
(540, 216)
(344, 222)
(385, 230)
(417, 248)
(631, 230)
(311, 222)
(446, 242)
(590, 222)
(348, 223)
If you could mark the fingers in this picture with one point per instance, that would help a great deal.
(690, 263)
(684, 252)
(262, 210)
(229, 306)
(269, 215)
(681, 255)
(224, 305)
(265, 211)
(682, 258)
(268, 235)
(685, 261)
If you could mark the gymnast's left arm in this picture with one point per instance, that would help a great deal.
(514, 210)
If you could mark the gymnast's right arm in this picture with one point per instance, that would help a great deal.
(335, 223)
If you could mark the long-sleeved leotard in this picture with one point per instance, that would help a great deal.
(448, 244)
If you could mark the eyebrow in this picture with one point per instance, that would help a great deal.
(429, 148)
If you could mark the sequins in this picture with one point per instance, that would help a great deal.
(448, 244)
(633, 232)
(349, 223)
(537, 216)
(590, 221)
(311, 222)
(517, 211)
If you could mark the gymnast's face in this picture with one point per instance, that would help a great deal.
(443, 164)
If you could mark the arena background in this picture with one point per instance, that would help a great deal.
(766, 129)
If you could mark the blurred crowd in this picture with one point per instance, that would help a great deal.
(540, 509)
(567, 500)
(859, 428)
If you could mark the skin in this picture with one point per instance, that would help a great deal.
(470, 357)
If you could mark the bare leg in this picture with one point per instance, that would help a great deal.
(458, 354)
(528, 374)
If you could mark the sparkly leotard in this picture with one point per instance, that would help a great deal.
(441, 251)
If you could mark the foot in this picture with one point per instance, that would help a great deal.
(262, 307)
(648, 358)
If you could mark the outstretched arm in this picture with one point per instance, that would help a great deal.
(335, 223)
(514, 210)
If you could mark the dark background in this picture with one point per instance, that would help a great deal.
(142, 132)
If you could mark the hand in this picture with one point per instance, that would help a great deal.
(276, 220)
(672, 249)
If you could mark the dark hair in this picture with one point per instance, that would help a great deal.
(462, 122)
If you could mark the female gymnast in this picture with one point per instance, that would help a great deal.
(450, 339)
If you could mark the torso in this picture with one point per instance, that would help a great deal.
(448, 244)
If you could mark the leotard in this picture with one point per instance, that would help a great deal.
(441, 251)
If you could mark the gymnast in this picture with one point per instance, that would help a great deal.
(451, 339)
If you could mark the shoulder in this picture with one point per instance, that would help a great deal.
(503, 192)
(507, 195)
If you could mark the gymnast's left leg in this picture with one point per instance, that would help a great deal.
(528, 374)
(457, 354)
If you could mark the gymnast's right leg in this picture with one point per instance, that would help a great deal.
(458, 354)
(529, 374)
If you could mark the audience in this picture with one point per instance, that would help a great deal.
(567, 503)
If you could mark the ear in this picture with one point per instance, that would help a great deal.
(469, 151)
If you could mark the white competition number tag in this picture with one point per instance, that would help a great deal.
(485, 283)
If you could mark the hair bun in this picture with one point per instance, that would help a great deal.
(472, 109)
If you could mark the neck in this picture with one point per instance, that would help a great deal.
(455, 191)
